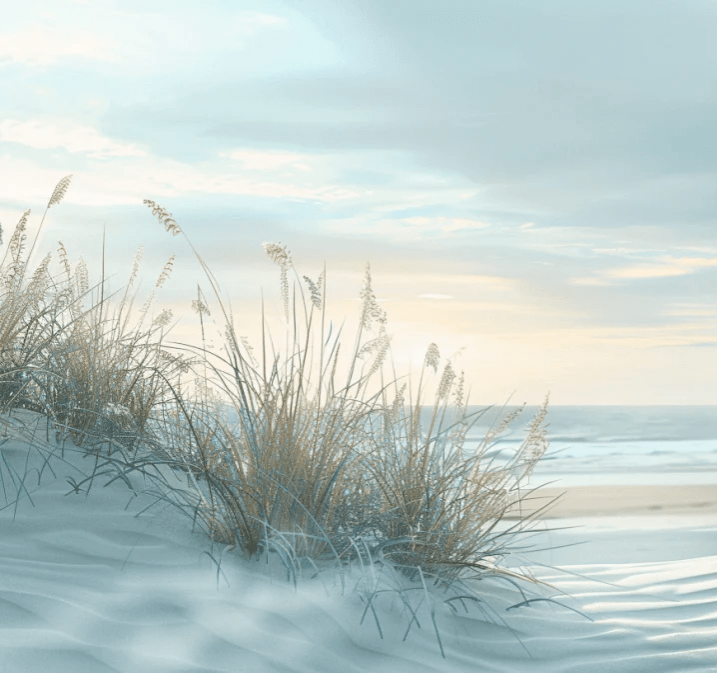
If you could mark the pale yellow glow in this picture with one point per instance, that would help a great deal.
(506, 353)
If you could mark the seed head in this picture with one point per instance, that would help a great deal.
(60, 190)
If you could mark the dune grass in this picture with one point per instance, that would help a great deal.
(316, 470)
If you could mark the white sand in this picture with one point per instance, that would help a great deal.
(85, 587)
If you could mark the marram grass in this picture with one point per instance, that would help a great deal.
(319, 471)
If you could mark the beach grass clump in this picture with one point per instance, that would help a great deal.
(109, 375)
(321, 468)
(29, 324)
(439, 505)
(307, 452)
(68, 353)
(316, 463)
(278, 479)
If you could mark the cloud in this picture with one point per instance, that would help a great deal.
(697, 262)
(648, 271)
(458, 224)
(206, 54)
(335, 180)
(591, 282)
(412, 228)
(133, 178)
(67, 135)
(250, 21)
(672, 335)
(39, 46)
(447, 224)
(463, 281)
(269, 160)
(694, 311)
(668, 267)
(665, 266)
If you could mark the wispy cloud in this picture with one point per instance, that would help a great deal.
(132, 178)
(668, 266)
(448, 224)
(40, 46)
(67, 135)
(682, 333)
(649, 267)
(695, 311)
(466, 281)
(591, 282)
(269, 160)
(642, 271)
(406, 229)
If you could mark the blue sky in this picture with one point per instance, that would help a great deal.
(533, 183)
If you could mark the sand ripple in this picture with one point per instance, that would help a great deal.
(87, 587)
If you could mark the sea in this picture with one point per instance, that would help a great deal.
(607, 445)
(616, 445)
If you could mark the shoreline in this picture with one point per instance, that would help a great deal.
(614, 500)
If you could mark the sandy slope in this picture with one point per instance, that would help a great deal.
(87, 586)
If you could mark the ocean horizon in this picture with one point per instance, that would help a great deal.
(604, 444)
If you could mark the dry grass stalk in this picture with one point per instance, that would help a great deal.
(314, 468)
(90, 373)
(308, 457)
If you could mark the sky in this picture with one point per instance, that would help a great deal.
(534, 184)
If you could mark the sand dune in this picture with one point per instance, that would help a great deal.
(88, 586)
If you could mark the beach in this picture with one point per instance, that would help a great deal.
(588, 501)
(92, 583)
(368, 336)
